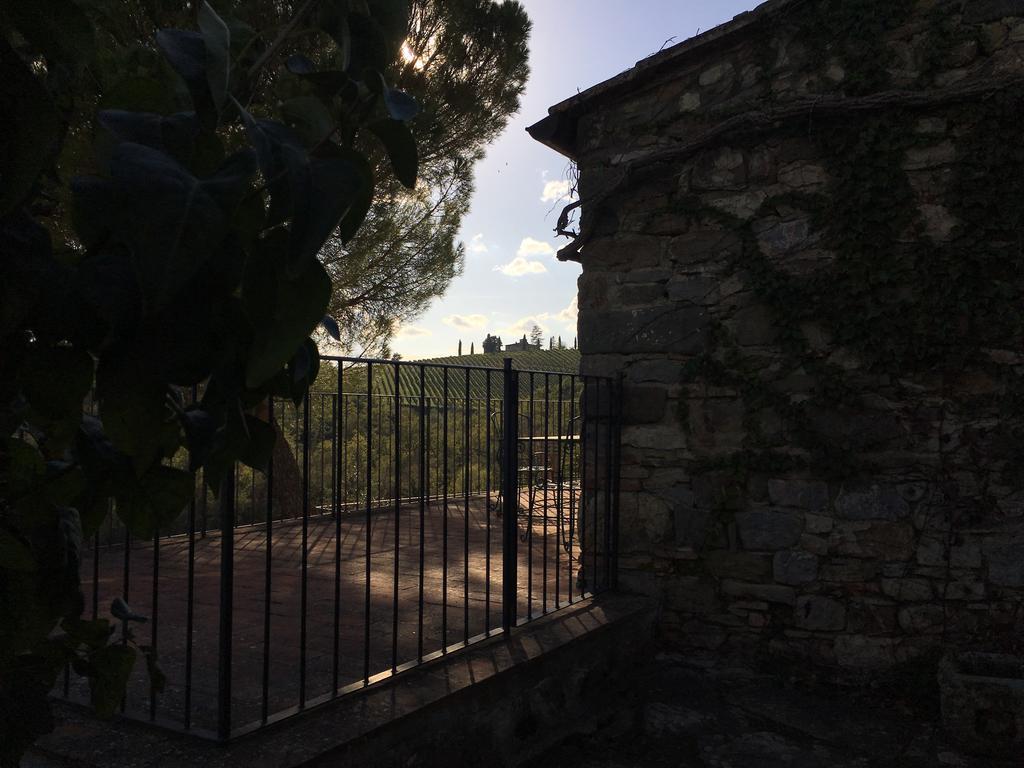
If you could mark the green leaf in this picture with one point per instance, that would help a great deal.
(326, 82)
(92, 634)
(400, 105)
(15, 554)
(185, 51)
(217, 39)
(401, 148)
(32, 130)
(309, 118)
(154, 502)
(111, 668)
(283, 311)
(131, 404)
(173, 221)
(258, 448)
(331, 326)
(21, 467)
(57, 379)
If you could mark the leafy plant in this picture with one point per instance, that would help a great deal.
(161, 212)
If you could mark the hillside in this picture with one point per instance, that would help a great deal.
(562, 361)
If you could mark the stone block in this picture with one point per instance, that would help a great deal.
(692, 525)
(816, 613)
(692, 594)
(661, 330)
(795, 567)
(965, 590)
(931, 551)
(816, 545)
(865, 653)
(907, 590)
(641, 294)
(918, 158)
(922, 619)
(754, 326)
(873, 502)
(724, 168)
(769, 529)
(982, 11)
(743, 566)
(697, 290)
(818, 523)
(716, 74)
(803, 176)
(643, 404)
(808, 495)
(690, 101)
(742, 205)
(777, 237)
(703, 246)
(877, 540)
(847, 571)
(1004, 555)
(770, 593)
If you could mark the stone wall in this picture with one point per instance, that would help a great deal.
(790, 487)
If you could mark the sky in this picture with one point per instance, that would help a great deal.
(512, 279)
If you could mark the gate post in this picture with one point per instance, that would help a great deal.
(509, 497)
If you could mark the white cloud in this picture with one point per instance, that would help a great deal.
(530, 247)
(524, 325)
(477, 244)
(412, 331)
(465, 322)
(520, 266)
(570, 314)
(555, 191)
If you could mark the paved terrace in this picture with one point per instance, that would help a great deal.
(469, 612)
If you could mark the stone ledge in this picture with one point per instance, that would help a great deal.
(497, 703)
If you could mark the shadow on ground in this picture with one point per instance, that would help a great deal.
(697, 712)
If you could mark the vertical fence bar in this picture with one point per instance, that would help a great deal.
(465, 486)
(544, 498)
(487, 504)
(573, 485)
(154, 626)
(369, 519)
(559, 526)
(444, 525)
(227, 594)
(398, 513)
(423, 510)
(530, 491)
(304, 589)
(338, 466)
(581, 578)
(510, 497)
(190, 598)
(268, 572)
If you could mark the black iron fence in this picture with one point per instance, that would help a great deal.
(410, 511)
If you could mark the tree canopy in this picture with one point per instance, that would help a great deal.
(466, 64)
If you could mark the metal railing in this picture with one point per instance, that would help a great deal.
(410, 511)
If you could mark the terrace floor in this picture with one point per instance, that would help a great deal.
(377, 625)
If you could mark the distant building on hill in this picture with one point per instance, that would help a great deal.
(523, 345)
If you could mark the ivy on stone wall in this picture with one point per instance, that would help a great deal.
(898, 298)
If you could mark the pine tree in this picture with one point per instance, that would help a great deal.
(460, 347)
